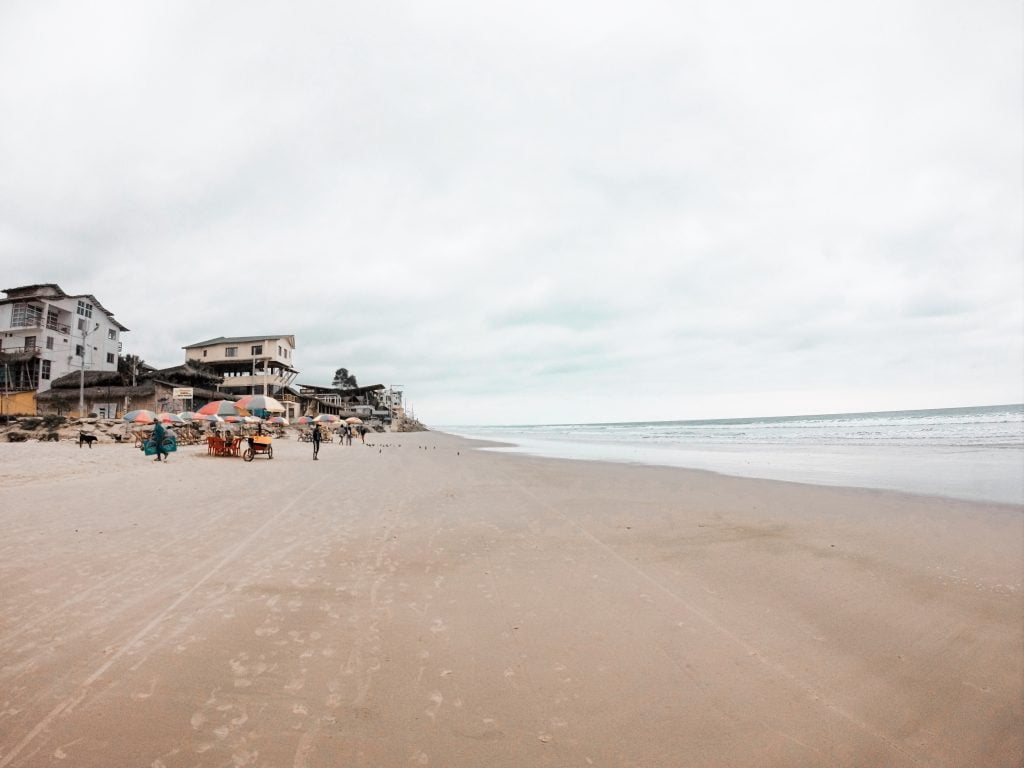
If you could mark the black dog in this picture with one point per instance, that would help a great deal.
(84, 437)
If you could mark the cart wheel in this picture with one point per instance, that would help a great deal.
(248, 454)
(270, 452)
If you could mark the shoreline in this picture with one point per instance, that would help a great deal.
(420, 600)
(996, 474)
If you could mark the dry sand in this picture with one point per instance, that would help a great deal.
(445, 606)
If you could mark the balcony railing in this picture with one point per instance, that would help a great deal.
(39, 323)
(11, 349)
(65, 329)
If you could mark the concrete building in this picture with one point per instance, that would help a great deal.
(45, 334)
(364, 402)
(251, 365)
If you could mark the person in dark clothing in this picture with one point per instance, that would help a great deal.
(158, 441)
(316, 441)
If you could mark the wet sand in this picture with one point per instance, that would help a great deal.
(422, 603)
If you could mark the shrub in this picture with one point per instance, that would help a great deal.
(30, 423)
(16, 437)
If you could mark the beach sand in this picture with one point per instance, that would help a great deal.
(423, 603)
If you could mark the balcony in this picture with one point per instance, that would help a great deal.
(20, 351)
(50, 325)
(59, 327)
(254, 382)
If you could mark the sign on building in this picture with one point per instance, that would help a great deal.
(182, 393)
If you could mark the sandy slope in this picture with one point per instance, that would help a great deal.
(439, 605)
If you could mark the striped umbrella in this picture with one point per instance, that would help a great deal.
(278, 420)
(222, 408)
(261, 403)
(304, 420)
(212, 418)
(169, 418)
(187, 415)
(328, 418)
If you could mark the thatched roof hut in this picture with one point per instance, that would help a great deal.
(110, 392)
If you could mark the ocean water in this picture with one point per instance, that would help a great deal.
(969, 453)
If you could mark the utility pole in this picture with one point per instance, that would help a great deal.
(6, 397)
(81, 376)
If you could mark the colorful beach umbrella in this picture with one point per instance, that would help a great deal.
(353, 420)
(169, 418)
(261, 403)
(304, 420)
(328, 418)
(141, 416)
(212, 418)
(222, 408)
(278, 420)
(187, 415)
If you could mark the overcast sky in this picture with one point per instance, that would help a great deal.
(536, 212)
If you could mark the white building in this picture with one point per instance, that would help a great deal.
(251, 365)
(46, 333)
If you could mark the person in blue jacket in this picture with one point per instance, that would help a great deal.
(158, 441)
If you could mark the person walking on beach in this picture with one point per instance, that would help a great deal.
(348, 436)
(158, 441)
(316, 441)
(362, 434)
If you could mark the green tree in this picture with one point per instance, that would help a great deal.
(344, 380)
(130, 366)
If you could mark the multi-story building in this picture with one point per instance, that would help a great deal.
(46, 333)
(250, 365)
(364, 402)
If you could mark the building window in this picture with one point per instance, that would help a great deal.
(49, 342)
(112, 334)
(79, 350)
(44, 371)
(84, 308)
(204, 353)
(110, 357)
(23, 315)
(256, 349)
(30, 342)
(231, 352)
(81, 324)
